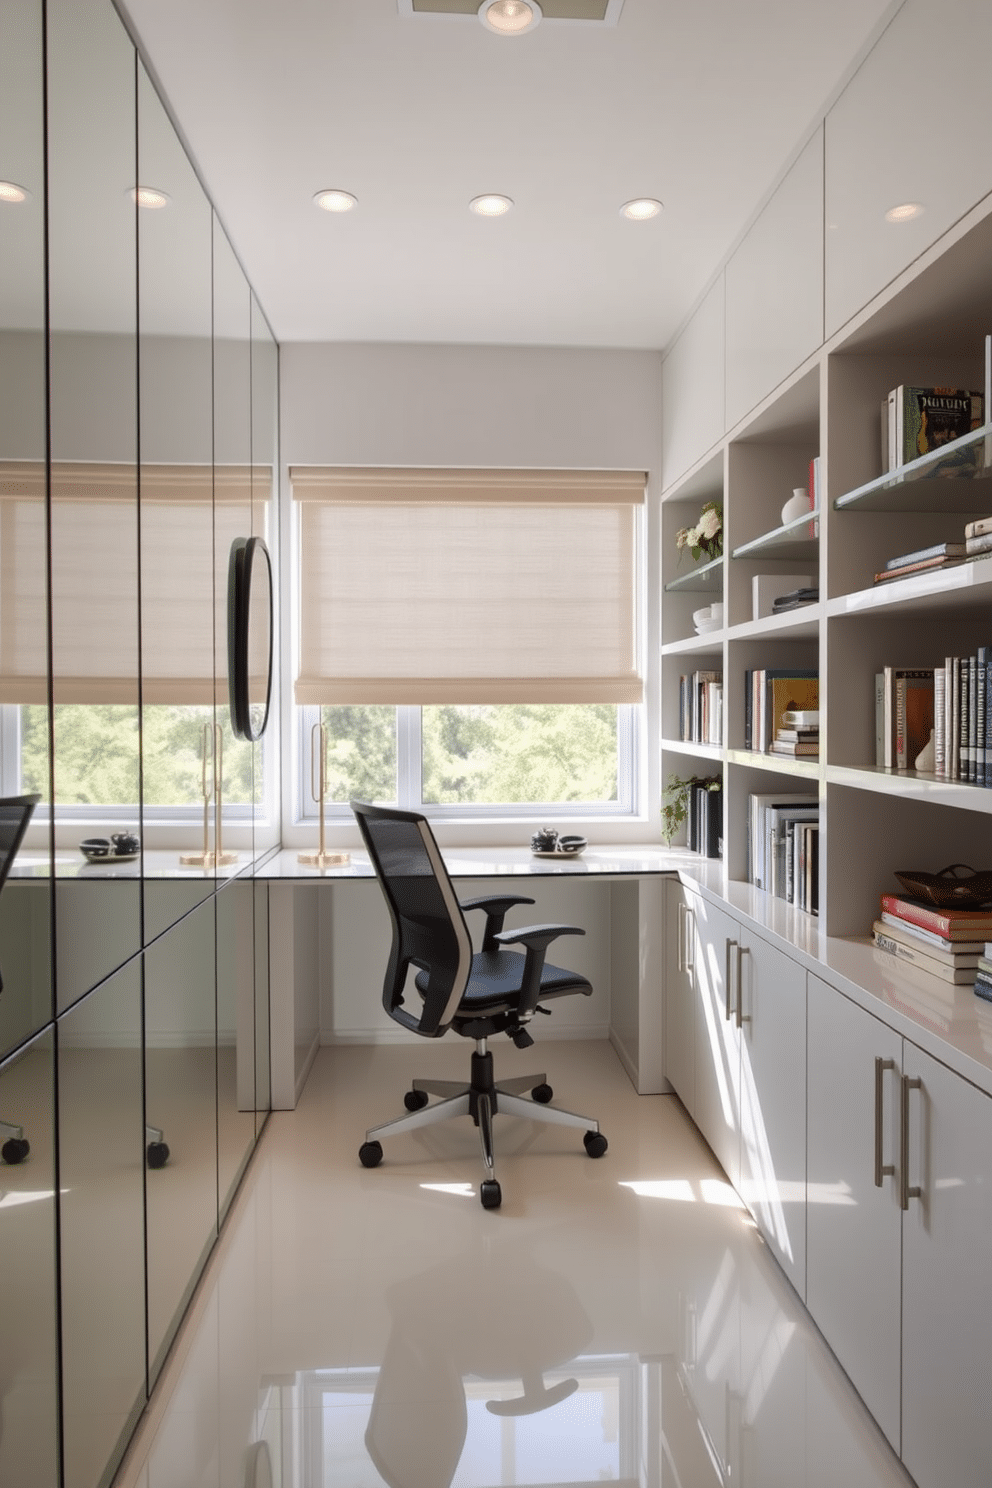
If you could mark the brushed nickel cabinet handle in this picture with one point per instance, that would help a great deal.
(681, 936)
(726, 980)
(690, 937)
(742, 1017)
(882, 1169)
(906, 1192)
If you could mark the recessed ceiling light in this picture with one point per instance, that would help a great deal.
(335, 201)
(510, 17)
(9, 192)
(905, 212)
(148, 196)
(491, 205)
(641, 209)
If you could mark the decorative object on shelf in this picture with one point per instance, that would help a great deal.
(918, 420)
(119, 847)
(95, 848)
(954, 886)
(708, 619)
(212, 788)
(767, 588)
(707, 535)
(318, 787)
(796, 506)
(678, 794)
(927, 757)
(544, 840)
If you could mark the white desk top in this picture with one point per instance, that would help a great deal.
(597, 861)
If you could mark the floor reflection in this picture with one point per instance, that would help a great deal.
(615, 1322)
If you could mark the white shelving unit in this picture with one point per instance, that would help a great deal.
(927, 328)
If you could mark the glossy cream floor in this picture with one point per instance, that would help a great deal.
(616, 1321)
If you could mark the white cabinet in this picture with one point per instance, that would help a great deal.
(750, 1074)
(692, 388)
(680, 993)
(853, 1219)
(770, 1010)
(947, 1296)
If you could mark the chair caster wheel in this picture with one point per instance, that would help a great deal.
(157, 1154)
(15, 1150)
(415, 1100)
(542, 1094)
(370, 1154)
(595, 1143)
(491, 1194)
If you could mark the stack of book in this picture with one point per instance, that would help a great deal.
(794, 599)
(945, 942)
(783, 847)
(768, 695)
(705, 823)
(923, 560)
(978, 538)
(983, 973)
(799, 736)
(701, 708)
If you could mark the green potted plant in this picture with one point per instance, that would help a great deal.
(675, 802)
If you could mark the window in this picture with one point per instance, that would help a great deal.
(470, 638)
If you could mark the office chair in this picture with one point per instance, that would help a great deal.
(15, 813)
(492, 991)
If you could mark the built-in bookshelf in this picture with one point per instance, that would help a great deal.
(927, 329)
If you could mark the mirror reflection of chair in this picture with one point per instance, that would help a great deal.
(495, 990)
(15, 813)
(473, 1325)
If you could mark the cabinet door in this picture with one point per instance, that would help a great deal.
(852, 1225)
(770, 1010)
(680, 1012)
(717, 1062)
(947, 1299)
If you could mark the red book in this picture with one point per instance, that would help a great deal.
(953, 924)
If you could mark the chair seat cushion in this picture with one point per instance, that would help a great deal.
(494, 984)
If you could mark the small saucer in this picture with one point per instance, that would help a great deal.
(575, 852)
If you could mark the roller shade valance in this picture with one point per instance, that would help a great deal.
(467, 586)
(189, 516)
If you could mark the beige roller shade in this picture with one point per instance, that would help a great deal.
(189, 516)
(468, 586)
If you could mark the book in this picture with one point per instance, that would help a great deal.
(958, 974)
(955, 924)
(757, 835)
(922, 419)
(796, 749)
(914, 715)
(920, 952)
(975, 547)
(937, 550)
(906, 930)
(801, 718)
(983, 989)
(979, 528)
(939, 721)
(925, 565)
(798, 735)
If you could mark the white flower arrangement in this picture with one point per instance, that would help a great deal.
(707, 535)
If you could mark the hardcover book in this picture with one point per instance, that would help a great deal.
(953, 924)
(922, 419)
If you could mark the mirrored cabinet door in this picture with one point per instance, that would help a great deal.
(179, 607)
(181, 1119)
(232, 511)
(25, 906)
(263, 663)
(102, 1231)
(94, 510)
(236, 1038)
(29, 1439)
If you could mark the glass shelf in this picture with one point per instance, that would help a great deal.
(796, 539)
(707, 579)
(950, 479)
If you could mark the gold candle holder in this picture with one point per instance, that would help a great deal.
(318, 786)
(216, 857)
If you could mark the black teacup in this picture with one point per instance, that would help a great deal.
(125, 843)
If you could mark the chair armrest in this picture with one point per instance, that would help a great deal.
(536, 938)
(495, 906)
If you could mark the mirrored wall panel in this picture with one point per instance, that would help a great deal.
(264, 469)
(181, 1118)
(29, 1424)
(102, 1262)
(25, 935)
(180, 609)
(236, 1054)
(94, 485)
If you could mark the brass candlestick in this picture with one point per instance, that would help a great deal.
(318, 786)
(212, 788)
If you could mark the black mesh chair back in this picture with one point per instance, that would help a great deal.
(429, 929)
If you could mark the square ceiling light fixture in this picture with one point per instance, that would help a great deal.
(568, 12)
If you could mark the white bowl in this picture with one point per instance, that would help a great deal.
(699, 617)
(703, 627)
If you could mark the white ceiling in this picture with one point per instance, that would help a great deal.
(699, 104)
